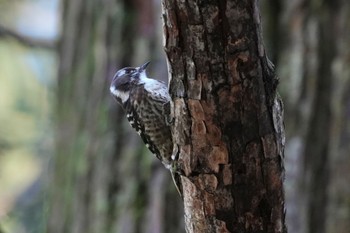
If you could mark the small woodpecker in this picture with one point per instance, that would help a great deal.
(146, 103)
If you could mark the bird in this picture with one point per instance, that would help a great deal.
(146, 102)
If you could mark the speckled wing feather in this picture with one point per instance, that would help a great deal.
(146, 116)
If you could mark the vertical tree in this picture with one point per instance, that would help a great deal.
(103, 179)
(311, 58)
(228, 127)
(82, 197)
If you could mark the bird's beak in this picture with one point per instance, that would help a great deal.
(143, 67)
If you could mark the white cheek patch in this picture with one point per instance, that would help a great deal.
(113, 90)
(124, 96)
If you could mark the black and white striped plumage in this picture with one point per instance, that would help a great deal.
(144, 101)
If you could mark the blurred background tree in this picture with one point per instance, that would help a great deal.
(104, 179)
(310, 44)
(70, 163)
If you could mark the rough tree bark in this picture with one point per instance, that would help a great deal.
(228, 128)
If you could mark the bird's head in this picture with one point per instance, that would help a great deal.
(125, 79)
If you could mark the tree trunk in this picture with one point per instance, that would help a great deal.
(228, 127)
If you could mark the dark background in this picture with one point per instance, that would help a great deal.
(69, 162)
